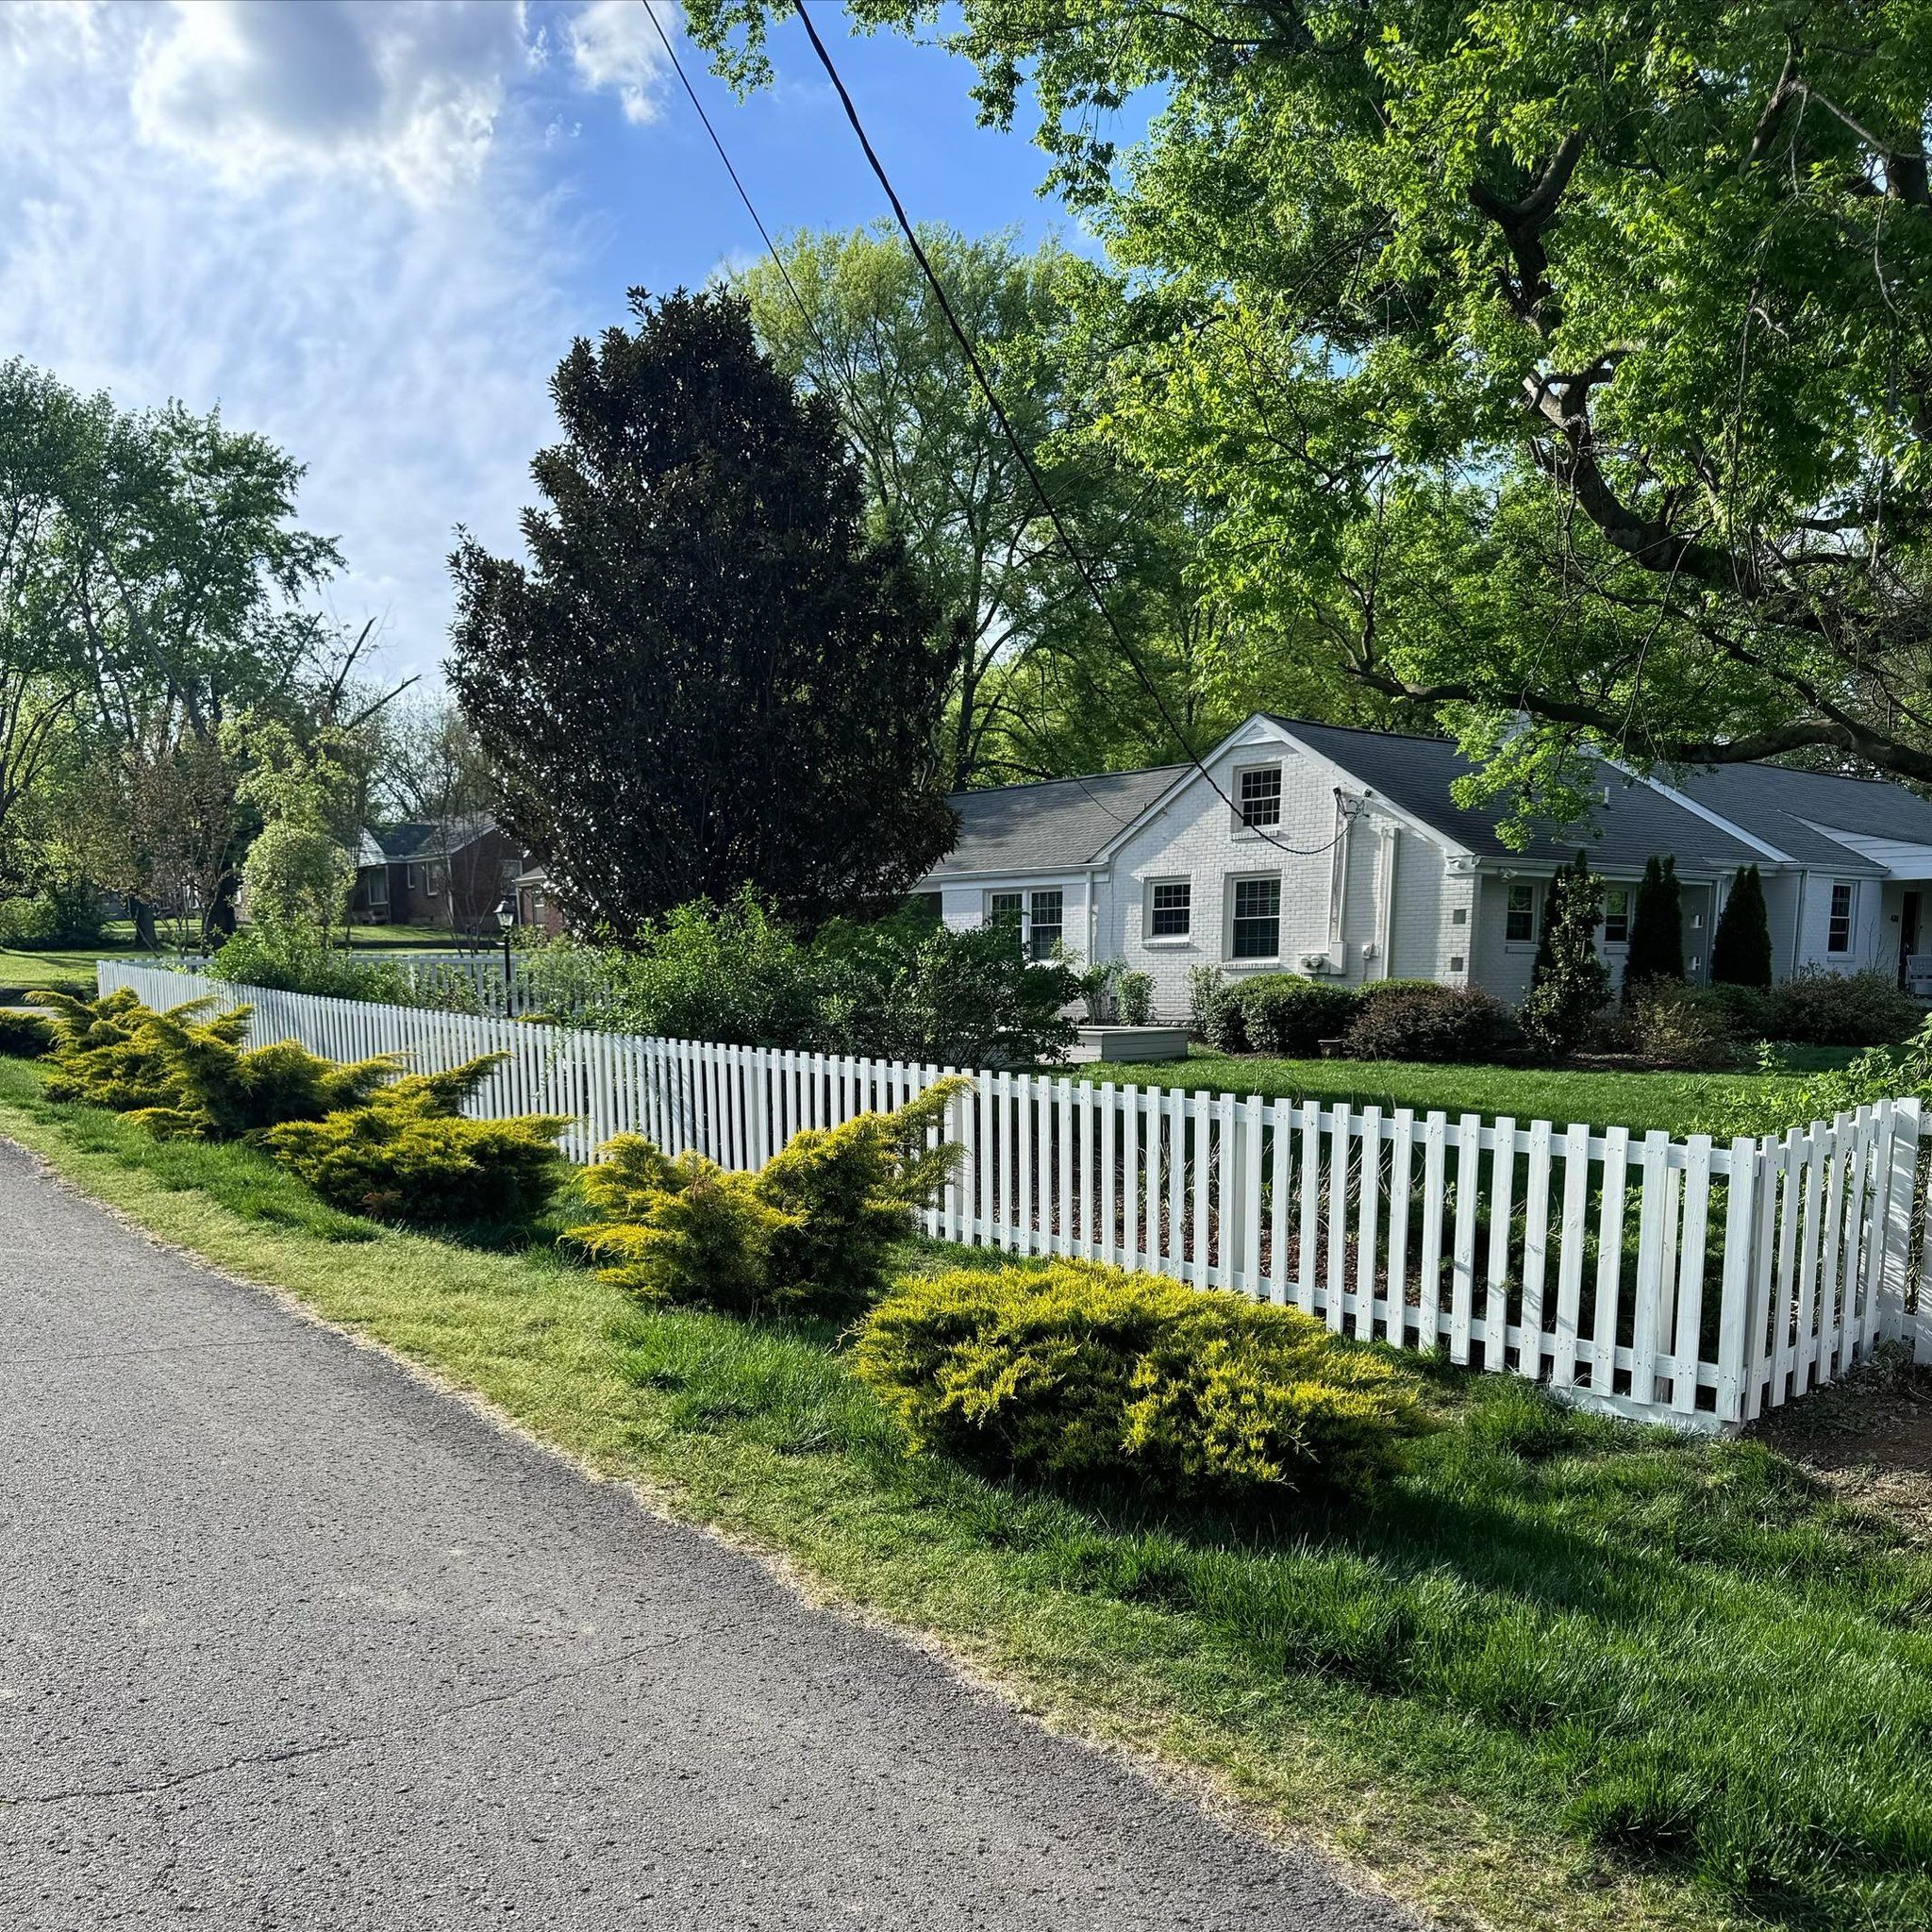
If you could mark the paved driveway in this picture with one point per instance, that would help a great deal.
(289, 1640)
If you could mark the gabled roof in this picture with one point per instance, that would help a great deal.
(1057, 826)
(414, 842)
(1633, 823)
(1785, 809)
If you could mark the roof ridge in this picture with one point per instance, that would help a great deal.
(1071, 778)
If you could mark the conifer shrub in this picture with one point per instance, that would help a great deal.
(220, 1091)
(1657, 928)
(404, 1153)
(24, 1036)
(1571, 983)
(105, 1055)
(812, 1233)
(1089, 1374)
(1740, 947)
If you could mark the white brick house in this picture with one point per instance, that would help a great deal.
(1345, 855)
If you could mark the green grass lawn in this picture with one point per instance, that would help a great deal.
(1677, 1103)
(1564, 1673)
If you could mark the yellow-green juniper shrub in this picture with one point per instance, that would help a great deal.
(1079, 1372)
(104, 1056)
(812, 1233)
(24, 1036)
(405, 1153)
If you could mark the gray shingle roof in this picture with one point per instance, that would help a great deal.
(420, 840)
(1635, 821)
(1057, 826)
(1774, 803)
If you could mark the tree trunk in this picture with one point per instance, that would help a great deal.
(145, 936)
(218, 918)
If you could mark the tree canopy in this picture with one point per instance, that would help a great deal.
(709, 674)
(1572, 364)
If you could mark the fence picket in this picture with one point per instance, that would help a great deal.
(1502, 1187)
(1536, 1251)
(1609, 1261)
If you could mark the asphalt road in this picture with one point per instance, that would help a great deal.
(288, 1639)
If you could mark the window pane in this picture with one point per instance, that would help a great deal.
(1170, 909)
(1257, 919)
(1047, 913)
(1519, 922)
(1838, 937)
(1003, 906)
(1261, 796)
(1617, 916)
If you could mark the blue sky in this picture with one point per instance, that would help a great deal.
(370, 230)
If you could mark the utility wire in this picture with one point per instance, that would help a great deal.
(1075, 555)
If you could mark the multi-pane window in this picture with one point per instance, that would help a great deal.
(1048, 918)
(1261, 796)
(1838, 932)
(379, 886)
(1257, 921)
(1519, 915)
(1000, 905)
(1169, 908)
(1617, 916)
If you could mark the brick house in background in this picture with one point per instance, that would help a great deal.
(535, 907)
(452, 874)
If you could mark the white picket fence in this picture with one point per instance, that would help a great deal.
(1673, 1280)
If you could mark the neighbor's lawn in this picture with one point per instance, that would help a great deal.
(1565, 1675)
(1677, 1103)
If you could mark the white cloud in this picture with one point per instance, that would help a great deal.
(252, 89)
(613, 46)
(345, 231)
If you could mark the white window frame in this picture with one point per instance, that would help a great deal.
(1513, 886)
(1850, 889)
(1629, 893)
(989, 912)
(377, 893)
(1235, 880)
(1148, 936)
(1034, 894)
(1253, 828)
(411, 877)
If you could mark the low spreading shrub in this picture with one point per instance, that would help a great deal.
(1668, 1025)
(1086, 1373)
(1283, 1013)
(811, 1233)
(405, 1153)
(23, 1036)
(301, 958)
(1748, 1009)
(1841, 1009)
(104, 1056)
(1425, 1022)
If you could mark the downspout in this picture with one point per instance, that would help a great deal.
(1387, 848)
(1798, 918)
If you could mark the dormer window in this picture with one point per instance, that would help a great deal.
(1257, 795)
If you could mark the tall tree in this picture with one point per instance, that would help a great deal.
(708, 675)
(1571, 363)
(1571, 983)
(1657, 927)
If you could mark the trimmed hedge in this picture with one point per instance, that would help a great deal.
(1284, 1013)
(1431, 1023)
(1084, 1372)
(1843, 1010)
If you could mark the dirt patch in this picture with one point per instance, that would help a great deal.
(1868, 1439)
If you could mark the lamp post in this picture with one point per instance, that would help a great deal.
(506, 923)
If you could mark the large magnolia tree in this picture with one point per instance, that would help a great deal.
(1566, 364)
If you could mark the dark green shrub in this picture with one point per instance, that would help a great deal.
(812, 1233)
(1204, 987)
(1571, 983)
(1741, 948)
(1748, 1008)
(1841, 1009)
(1134, 994)
(1224, 1018)
(59, 914)
(301, 958)
(1083, 1373)
(1657, 928)
(24, 1036)
(406, 1155)
(1283, 1013)
(1431, 1023)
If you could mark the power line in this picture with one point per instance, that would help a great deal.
(1021, 454)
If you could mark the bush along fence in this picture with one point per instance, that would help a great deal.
(1667, 1280)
